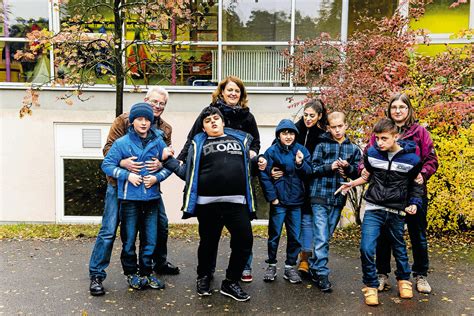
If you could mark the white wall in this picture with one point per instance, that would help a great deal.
(27, 157)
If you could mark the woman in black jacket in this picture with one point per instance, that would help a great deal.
(230, 98)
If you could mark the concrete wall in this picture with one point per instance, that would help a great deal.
(27, 158)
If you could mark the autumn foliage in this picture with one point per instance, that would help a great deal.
(359, 76)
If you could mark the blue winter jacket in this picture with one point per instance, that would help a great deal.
(327, 181)
(131, 145)
(189, 171)
(289, 189)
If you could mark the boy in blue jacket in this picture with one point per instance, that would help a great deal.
(286, 195)
(335, 159)
(137, 194)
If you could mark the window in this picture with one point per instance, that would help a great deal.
(315, 17)
(84, 187)
(256, 20)
(246, 29)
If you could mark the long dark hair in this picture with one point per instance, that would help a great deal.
(411, 119)
(318, 106)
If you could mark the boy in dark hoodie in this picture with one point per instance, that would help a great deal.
(335, 159)
(286, 194)
(392, 193)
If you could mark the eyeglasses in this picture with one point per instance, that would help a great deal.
(402, 108)
(157, 103)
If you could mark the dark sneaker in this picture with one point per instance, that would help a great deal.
(323, 283)
(203, 286)
(167, 268)
(155, 283)
(270, 273)
(246, 276)
(292, 276)
(136, 282)
(96, 288)
(233, 289)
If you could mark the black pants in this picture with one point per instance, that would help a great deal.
(212, 218)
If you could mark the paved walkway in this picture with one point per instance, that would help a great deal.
(51, 278)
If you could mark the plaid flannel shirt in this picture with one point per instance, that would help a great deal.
(325, 180)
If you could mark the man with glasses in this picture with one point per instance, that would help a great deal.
(157, 97)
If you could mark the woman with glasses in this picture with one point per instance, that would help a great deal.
(400, 110)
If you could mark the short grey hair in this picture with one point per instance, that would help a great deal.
(158, 90)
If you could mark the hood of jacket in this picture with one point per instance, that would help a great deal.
(285, 124)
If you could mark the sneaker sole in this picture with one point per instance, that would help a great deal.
(157, 287)
(204, 294)
(235, 298)
(269, 280)
(291, 281)
(246, 280)
(98, 293)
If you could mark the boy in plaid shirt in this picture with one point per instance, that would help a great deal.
(335, 159)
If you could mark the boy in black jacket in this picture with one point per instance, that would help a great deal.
(392, 194)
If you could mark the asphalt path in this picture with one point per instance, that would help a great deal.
(50, 277)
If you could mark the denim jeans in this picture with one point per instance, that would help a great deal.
(161, 250)
(306, 235)
(212, 218)
(291, 216)
(417, 225)
(325, 219)
(100, 257)
(374, 222)
(248, 265)
(138, 217)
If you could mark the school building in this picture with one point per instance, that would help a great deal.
(50, 161)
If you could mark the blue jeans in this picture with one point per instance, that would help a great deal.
(325, 219)
(291, 216)
(100, 257)
(306, 232)
(135, 217)
(417, 225)
(161, 250)
(373, 223)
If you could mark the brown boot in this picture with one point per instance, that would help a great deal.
(371, 295)
(405, 289)
(303, 266)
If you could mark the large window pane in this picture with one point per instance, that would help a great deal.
(250, 20)
(375, 9)
(194, 65)
(97, 12)
(314, 17)
(24, 16)
(84, 187)
(255, 65)
(440, 18)
(28, 69)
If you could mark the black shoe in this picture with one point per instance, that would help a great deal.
(96, 288)
(167, 268)
(233, 289)
(323, 283)
(203, 286)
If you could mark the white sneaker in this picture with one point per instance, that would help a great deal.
(383, 283)
(422, 284)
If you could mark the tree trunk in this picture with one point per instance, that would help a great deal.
(118, 60)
